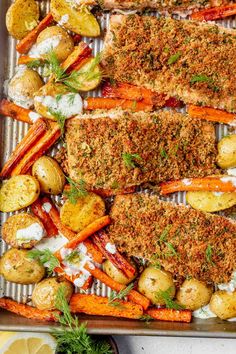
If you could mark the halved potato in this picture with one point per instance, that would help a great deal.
(211, 201)
(22, 16)
(227, 152)
(75, 18)
(86, 210)
(18, 192)
(223, 304)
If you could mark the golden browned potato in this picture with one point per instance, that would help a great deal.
(223, 304)
(152, 281)
(45, 292)
(22, 16)
(60, 42)
(18, 192)
(16, 267)
(227, 152)
(194, 294)
(49, 174)
(22, 231)
(211, 201)
(79, 215)
(75, 18)
(23, 86)
(116, 274)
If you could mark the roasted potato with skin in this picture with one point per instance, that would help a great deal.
(223, 304)
(45, 292)
(227, 152)
(116, 274)
(78, 18)
(49, 174)
(211, 201)
(153, 280)
(18, 192)
(194, 294)
(87, 209)
(23, 231)
(22, 16)
(16, 267)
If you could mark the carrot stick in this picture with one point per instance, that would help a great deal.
(71, 278)
(34, 134)
(170, 315)
(98, 305)
(10, 109)
(38, 211)
(93, 251)
(214, 13)
(92, 103)
(212, 114)
(76, 38)
(28, 311)
(79, 53)
(217, 184)
(26, 43)
(110, 192)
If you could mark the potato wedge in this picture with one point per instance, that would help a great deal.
(227, 152)
(18, 192)
(86, 210)
(22, 16)
(75, 18)
(211, 201)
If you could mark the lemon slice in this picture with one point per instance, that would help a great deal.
(27, 343)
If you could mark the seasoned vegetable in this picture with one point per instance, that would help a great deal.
(49, 174)
(22, 231)
(45, 292)
(77, 19)
(87, 208)
(22, 16)
(18, 192)
(116, 274)
(223, 304)
(227, 152)
(211, 201)
(16, 267)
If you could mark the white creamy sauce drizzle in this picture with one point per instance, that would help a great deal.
(230, 286)
(47, 207)
(231, 171)
(64, 19)
(34, 116)
(44, 47)
(231, 179)
(33, 232)
(204, 312)
(52, 243)
(111, 248)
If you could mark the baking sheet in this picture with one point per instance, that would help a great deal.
(11, 132)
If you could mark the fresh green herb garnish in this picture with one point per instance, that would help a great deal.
(46, 258)
(71, 99)
(130, 159)
(34, 64)
(77, 190)
(200, 78)
(164, 154)
(72, 257)
(146, 318)
(174, 58)
(173, 252)
(166, 296)
(60, 118)
(121, 294)
(209, 252)
(165, 233)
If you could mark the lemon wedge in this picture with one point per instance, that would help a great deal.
(27, 343)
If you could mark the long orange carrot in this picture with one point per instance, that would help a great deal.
(214, 13)
(170, 315)
(49, 226)
(10, 109)
(80, 52)
(212, 114)
(110, 192)
(92, 103)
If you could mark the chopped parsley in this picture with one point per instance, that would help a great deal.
(130, 160)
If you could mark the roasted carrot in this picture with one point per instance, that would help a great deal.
(217, 184)
(92, 103)
(25, 59)
(173, 102)
(214, 13)
(26, 43)
(38, 211)
(71, 278)
(79, 53)
(10, 109)
(76, 38)
(170, 315)
(212, 114)
(28, 311)
(110, 192)
(98, 305)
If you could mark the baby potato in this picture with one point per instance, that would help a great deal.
(227, 152)
(87, 209)
(194, 294)
(18, 192)
(211, 201)
(22, 16)
(16, 267)
(65, 44)
(116, 274)
(45, 292)
(49, 174)
(22, 231)
(223, 304)
(153, 280)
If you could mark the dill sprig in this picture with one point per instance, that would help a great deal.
(209, 252)
(60, 118)
(46, 258)
(165, 295)
(146, 318)
(130, 160)
(74, 255)
(120, 295)
(77, 190)
(35, 64)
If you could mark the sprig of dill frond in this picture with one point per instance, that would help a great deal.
(165, 295)
(120, 295)
(77, 190)
(46, 258)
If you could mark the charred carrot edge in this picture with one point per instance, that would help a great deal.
(28, 311)
(79, 53)
(98, 305)
(35, 132)
(211, 114)
(101, 240)
(43, 144)
(109, 192)
(92, 103)
(170, 315)
(88, 283)
(218, 184)
(76, 38)
(10, 109)
(49, 226)
(26, 43)
(214, 13)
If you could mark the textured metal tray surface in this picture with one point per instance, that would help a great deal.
(11, 132)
